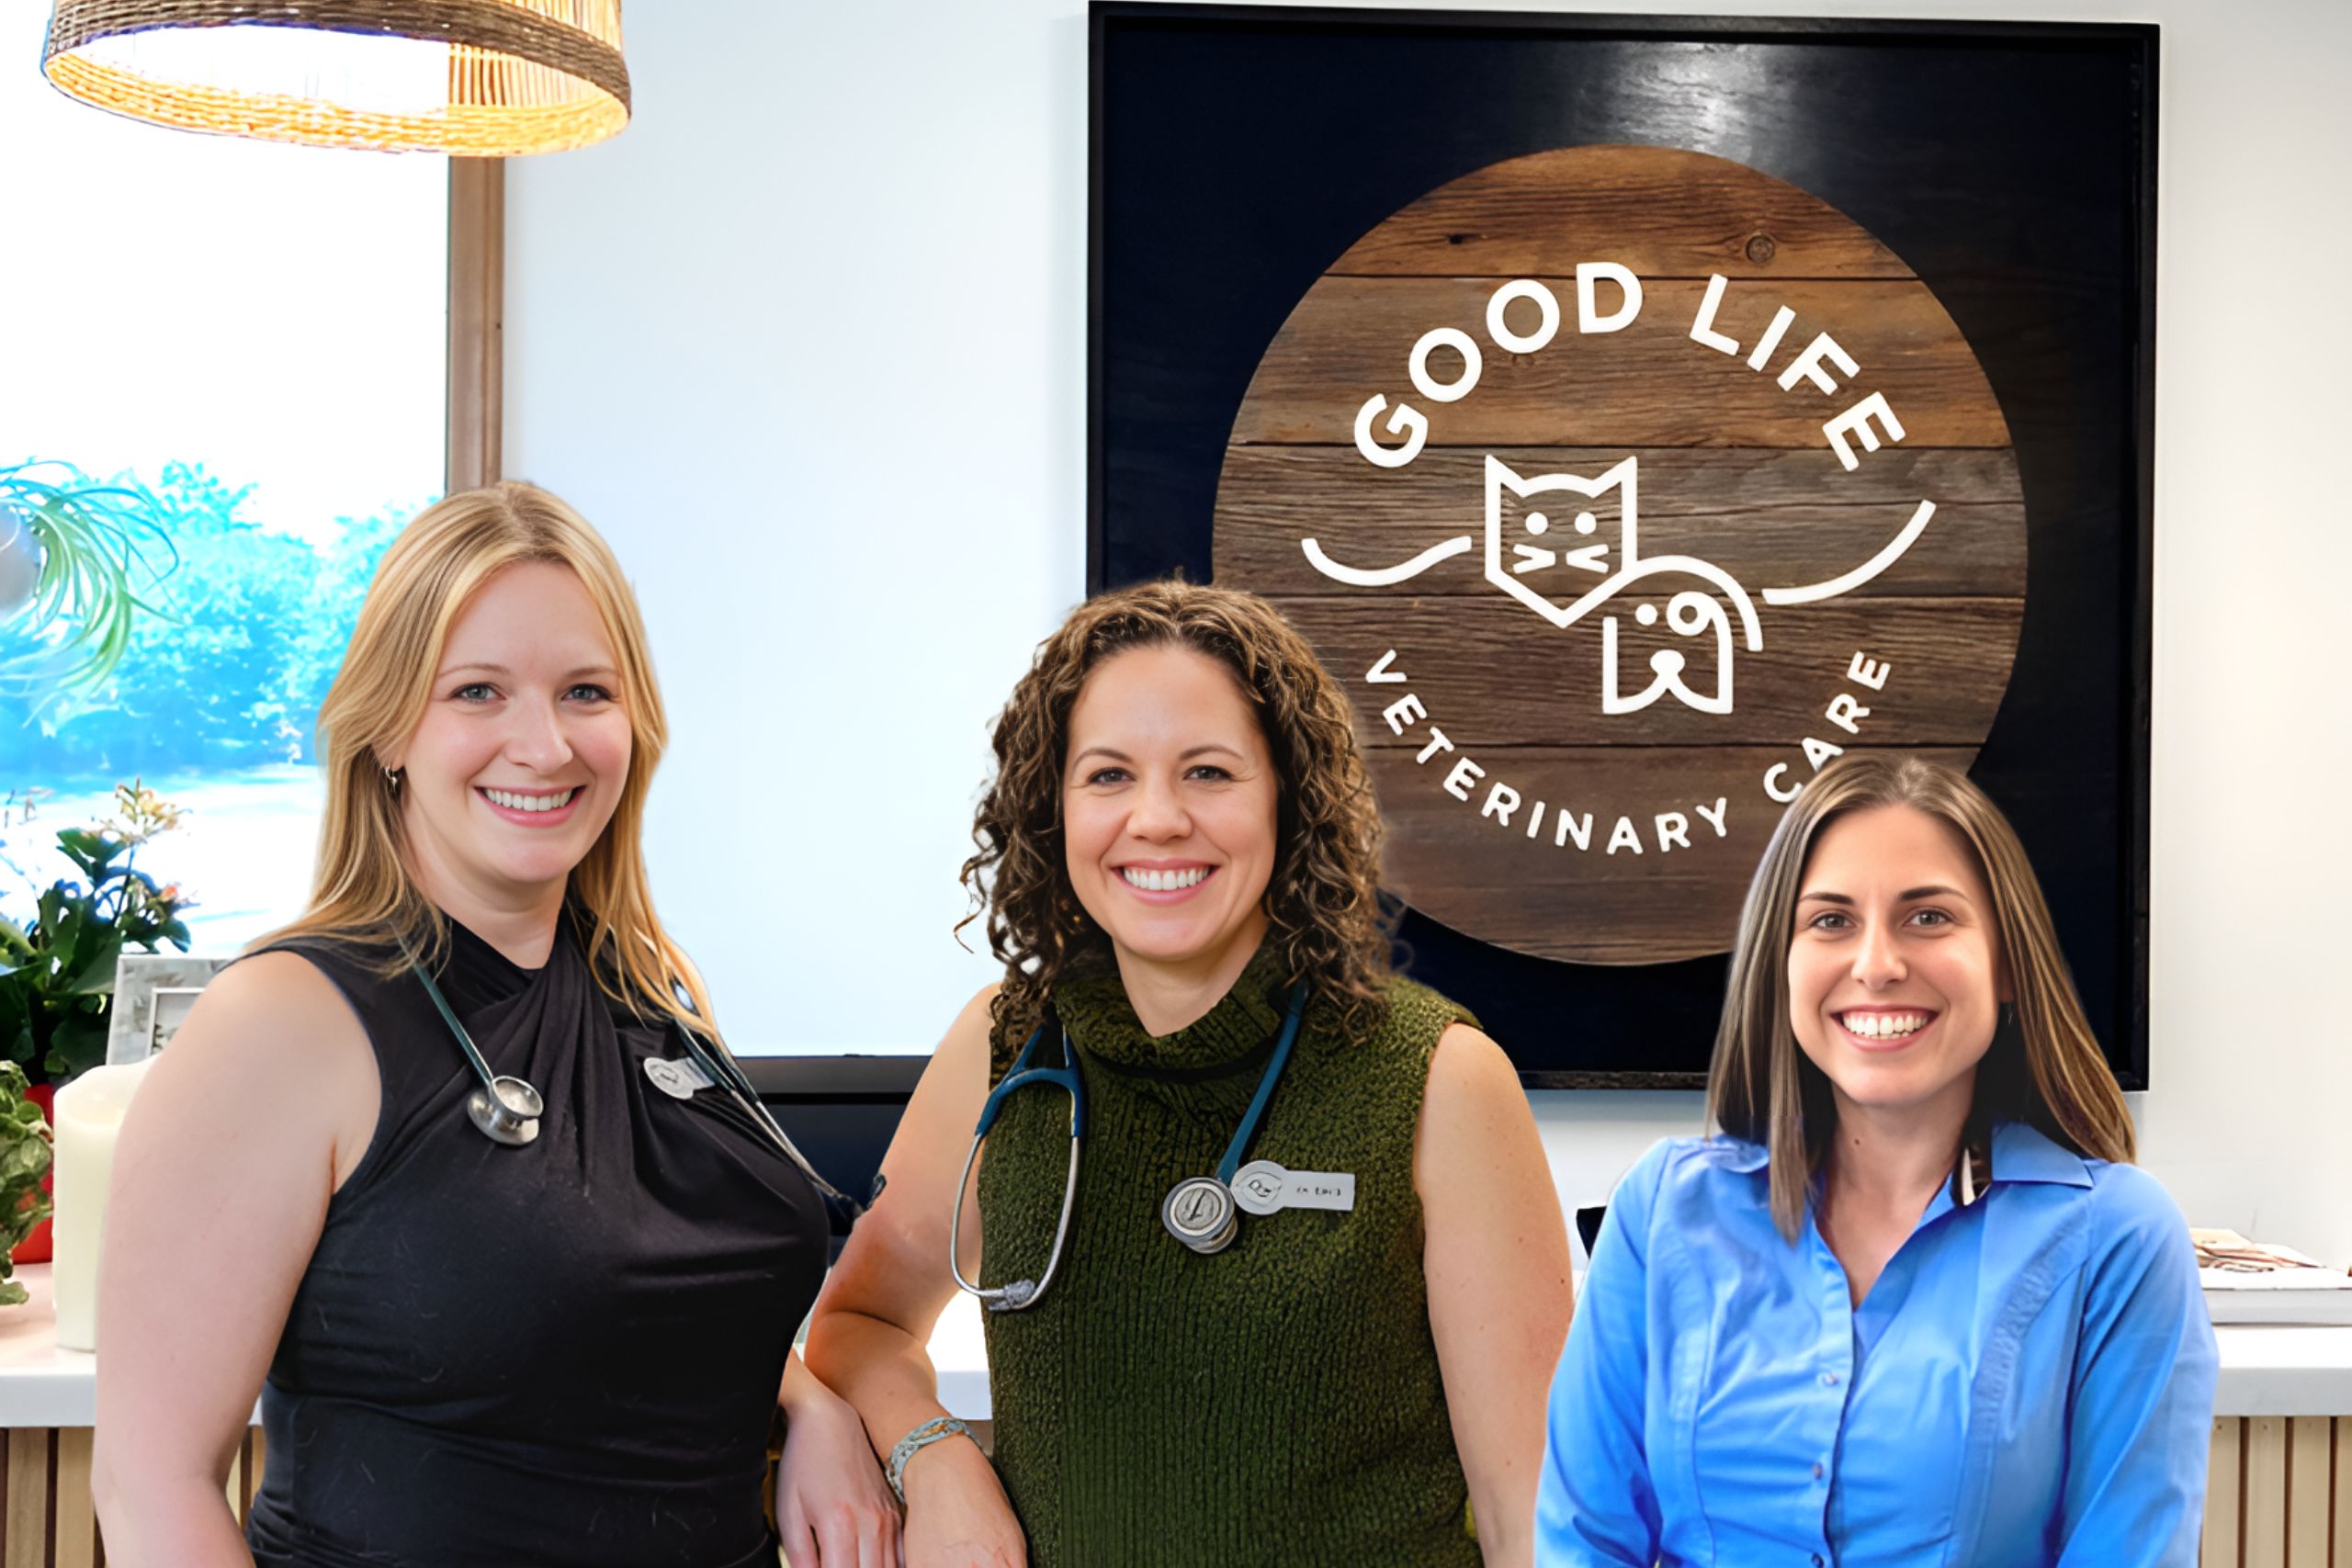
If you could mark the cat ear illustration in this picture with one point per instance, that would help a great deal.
(1548, 535)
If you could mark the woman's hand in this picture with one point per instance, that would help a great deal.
(869, 1334)
(831, 1504)
(958, 1515)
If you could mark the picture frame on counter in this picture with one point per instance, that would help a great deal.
(153, 994)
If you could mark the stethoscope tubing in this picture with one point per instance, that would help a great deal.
(495, 1112)
(729, 1075)
(1020, 1293)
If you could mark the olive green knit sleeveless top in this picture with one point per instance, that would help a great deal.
(1277, 1403)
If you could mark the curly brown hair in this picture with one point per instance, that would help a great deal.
(1323, 898)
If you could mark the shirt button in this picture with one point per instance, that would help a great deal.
(1829, 1379)
(1816, 1561)
(1816, 1471)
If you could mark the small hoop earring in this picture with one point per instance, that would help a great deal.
(391, 778)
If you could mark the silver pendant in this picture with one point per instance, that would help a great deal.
(1258, 1187)
(1261, 1187)
(1199, 1213)
(680, 1080)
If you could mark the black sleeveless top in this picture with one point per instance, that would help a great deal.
(563, 1353)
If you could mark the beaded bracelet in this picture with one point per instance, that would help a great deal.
(914, 1442)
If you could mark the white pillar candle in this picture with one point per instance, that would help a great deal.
(88, 1116)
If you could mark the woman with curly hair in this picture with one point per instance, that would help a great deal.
(1180, 859)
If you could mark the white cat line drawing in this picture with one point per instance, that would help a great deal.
(1690, 613)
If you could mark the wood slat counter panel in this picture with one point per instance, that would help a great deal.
(2278, 1493)
(2275, 1498)
(49, 1520)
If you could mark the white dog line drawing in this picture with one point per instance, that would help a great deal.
(1688, 612)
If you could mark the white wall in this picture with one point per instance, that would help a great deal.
(831, 226)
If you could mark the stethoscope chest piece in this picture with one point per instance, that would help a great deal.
(1199, 1213)
(507, 1109)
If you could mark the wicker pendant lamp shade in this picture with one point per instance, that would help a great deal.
(480, 78)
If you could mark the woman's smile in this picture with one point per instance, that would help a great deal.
(1165, 882)
(1885, 1029)
(532, 807)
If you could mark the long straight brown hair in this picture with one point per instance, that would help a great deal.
(362, 890)
(2047, 1072)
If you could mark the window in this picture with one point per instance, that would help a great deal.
(254, 337)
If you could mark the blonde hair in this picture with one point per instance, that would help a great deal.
(363, 890)
(2048, 1072)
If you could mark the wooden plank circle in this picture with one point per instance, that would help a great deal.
(1623, 487)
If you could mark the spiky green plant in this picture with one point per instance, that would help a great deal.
(93, 540)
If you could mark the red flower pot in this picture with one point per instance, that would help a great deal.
(35, 1248)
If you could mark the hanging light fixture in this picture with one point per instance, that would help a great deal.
(482, 78)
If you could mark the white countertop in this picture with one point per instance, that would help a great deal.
(41, 1385)
(2265, 1370)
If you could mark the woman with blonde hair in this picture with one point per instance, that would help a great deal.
(1273, 1259)
(1913, 1304)
(454, 1171)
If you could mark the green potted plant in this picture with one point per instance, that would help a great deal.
(57, 970)
(71, 549)
(24, 1174)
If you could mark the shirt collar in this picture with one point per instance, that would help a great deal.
(2019, 1153)
(1740, 1156)
(2022, 1153)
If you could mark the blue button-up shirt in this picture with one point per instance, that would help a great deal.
(2030, 1381)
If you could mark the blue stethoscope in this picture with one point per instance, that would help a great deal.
(507, 1109)
(1200, 1210)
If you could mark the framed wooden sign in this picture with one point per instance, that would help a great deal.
(1635, 413)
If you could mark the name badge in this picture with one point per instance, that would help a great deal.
(678, 1079)
(1261, 1187)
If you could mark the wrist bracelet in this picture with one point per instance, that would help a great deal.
(914, 1442)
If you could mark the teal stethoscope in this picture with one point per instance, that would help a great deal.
(507, 1109)
(1200, 1210)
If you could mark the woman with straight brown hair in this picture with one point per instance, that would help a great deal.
(1913, 1304)
(454, 1172)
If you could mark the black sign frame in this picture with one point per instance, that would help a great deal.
(1234, 151)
